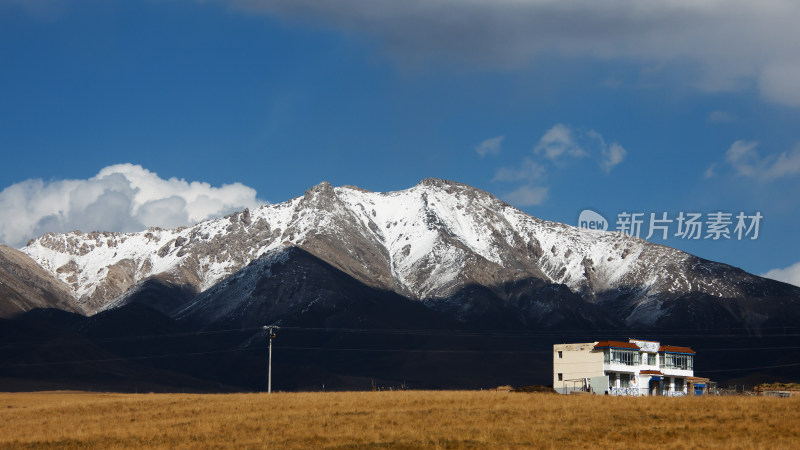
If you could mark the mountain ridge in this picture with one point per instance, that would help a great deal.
(426, 243)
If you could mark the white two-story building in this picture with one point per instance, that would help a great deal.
(635, 367)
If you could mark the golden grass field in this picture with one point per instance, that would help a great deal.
(410, 419)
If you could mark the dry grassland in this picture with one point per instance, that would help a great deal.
(394, 419)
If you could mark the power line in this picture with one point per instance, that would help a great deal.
(392, 350)
(561, 332)
(83, 339)
(778, 366)
(417, 332)
(86, 361)
(130, 358)
(371, 350)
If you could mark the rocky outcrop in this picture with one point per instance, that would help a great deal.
(24, 285)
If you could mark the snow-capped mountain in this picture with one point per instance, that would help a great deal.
(456, 249)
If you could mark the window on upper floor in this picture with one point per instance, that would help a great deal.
(560, 354)
(621, 356)
(677, 361)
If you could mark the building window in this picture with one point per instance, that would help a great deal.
(677, 361)
(624, 380)
(621, 356)
(651, 359)
(561, 377)
(679, 384)
(560, 354)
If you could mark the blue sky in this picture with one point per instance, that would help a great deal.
(121, 115)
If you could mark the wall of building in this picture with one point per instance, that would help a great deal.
(575, 362)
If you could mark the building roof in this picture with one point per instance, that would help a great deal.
(632, 346)
(674, 349)
(617, 344)
(698, 379)
(651, 372)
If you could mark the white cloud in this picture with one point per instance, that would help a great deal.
(562, 143)
(710, 171)
(612, 155)
(558, 147)
(788, 163)
(720, 44)
(46, 10)
(558, 142)
(789, 274)
(743, 157)
(721, 117)
(122, 197)
(490, 146)
(527, 195)
(529, 171)
(532, 174)
(780, 83)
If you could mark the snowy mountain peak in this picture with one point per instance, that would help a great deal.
(429, 242)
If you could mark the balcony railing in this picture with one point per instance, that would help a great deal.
(626, 391)
(674, 394)
(642, 391)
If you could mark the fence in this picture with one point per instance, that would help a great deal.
(737, 390)
(629, 392)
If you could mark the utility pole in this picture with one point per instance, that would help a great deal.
(271, 329)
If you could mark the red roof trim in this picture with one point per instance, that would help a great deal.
(616, 344)
(651, 372)
(674, 349)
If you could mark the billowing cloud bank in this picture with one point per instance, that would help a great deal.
(715, 44)
(122, 197)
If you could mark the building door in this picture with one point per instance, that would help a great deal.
(699, 388)
(655, 386)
